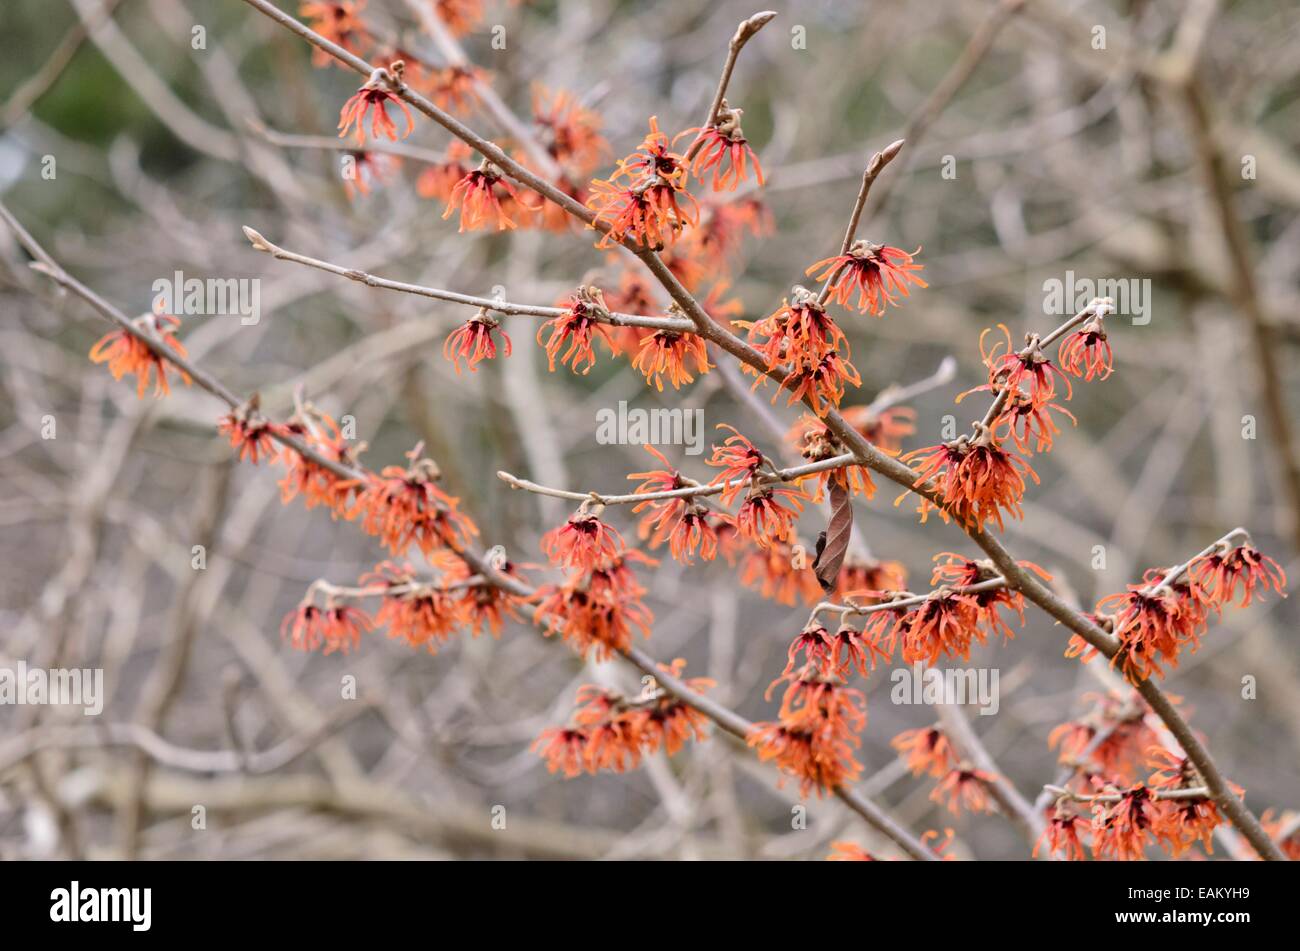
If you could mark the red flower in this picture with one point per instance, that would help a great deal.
(596, 610)
(1219, 574)
(797, 333)
(337, 626)
(567, 130)
(250, 433)
(925, 751)
(126, 353)
(579, 326)
(885, 429)
(340, 23)
(1061, 835)
(404, 506)
(773, 573)
(374, 94)
(1152, 626)
(476, 197)
(720, 146)
(976, 480)
(439, 180)
(315, 483)
(1122, 830)
(865, 580)
(460, 16)
(739, 460)
(420, 613)
(1086, 352)
(453, 88)
(945, 624)
(666, 353)
(582, 543)
(1011, 369)
(472, 342)
(965, 788)
(876, 271)
(769, 515)
(640, 200)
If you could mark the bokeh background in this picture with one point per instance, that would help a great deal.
(1032, 152)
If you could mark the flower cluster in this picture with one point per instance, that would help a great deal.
(598, 605)
(1169, 612)
(611, 731)
(127, 354)
(815, 733)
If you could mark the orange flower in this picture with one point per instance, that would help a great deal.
(945, 624)
(772, 572)
(479, 203)
(1123, 829)
(876, 271)
(611, 731)
(374, 94)
(579, 326)
(976, 480)
(420, 613)
(865, 579)
(769, 515)
(720, 146)
(965, 788)
(250, 433)
(820, 383)
(885, 429)
(1219, 574)
(567, 130)
(1030, 424)
(1012, 369)
(739, 460)
(646, 213)
(582, 543)
(472, 342)
(721, 230)
(667, 353)
(337, 626)
(1086, 352)
(440, 179)
(817, 647)
(797, 333)
(460, 16)
(817, 443)
(315, 483)
(925, 751)
(125, 353)
(1061, 835)
(404, 506)
(563, 749)
(1152, 626)
(857, 650)
(340, 23)
(454, 88)
(597, 610)
(640, 200)
(368, 168)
